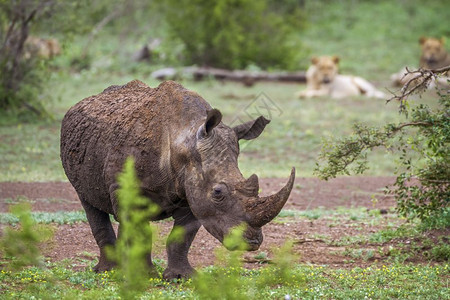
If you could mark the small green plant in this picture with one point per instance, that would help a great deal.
(282, 271)
(262, 255)
(440, 252)
(439, 221)
(22, 245)
(388, 234)
(364, 254)
(135, 238)
(228, 280)
(224, 280)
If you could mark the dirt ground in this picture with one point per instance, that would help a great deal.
(76, 243)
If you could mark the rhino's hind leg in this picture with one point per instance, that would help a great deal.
(177, 252)
(103, 233)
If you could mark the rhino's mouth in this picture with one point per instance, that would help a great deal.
(253, 237)
(253, 245)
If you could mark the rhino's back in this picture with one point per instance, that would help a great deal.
(99, 132)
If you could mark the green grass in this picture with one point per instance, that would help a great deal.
(30, 151)
(385, 235)
(60, 217)
(397, 281)
(361, 214)
(440, 252)
(393, 278)
(374, 38)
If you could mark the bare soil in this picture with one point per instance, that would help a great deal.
(313, 238)
(308, 193)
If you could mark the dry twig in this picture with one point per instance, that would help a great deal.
(420, 81)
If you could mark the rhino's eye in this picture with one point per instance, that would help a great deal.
(218, 192)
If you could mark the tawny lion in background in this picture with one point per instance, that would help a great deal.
(433, 56)
(42, 48)
(322, 79)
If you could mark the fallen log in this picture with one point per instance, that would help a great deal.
(246, 77)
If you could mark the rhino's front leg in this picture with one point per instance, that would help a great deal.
(177, 252)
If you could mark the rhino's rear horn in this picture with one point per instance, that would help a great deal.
(262, 210)
(249, 187)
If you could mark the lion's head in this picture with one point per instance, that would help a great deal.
(433, 51)
(326, 68)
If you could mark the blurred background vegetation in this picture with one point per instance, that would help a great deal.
(112, 42)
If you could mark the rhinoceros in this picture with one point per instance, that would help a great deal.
(186, 160)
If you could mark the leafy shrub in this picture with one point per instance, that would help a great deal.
(438, 221)
(234, 34)
(22, 245)
(21, 84)
(422, 187)
(23, 76)
(440, 252)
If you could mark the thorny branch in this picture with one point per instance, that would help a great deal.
(418, 123)
(419, 81)
(427, 195)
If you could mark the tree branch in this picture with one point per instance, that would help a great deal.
(421, 79)
(418, 123)
(436, 181)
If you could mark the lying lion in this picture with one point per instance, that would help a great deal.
(41, 48)
(433, 56)
(322, 79)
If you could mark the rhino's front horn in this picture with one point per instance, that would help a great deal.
(262, 210)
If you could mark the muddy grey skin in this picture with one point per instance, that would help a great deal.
(186, 160)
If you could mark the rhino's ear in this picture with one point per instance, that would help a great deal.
(252, 129)
(212, 120)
